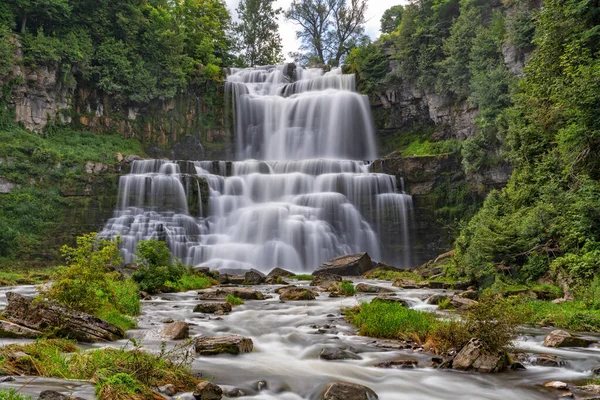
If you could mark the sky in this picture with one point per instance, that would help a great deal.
(287, 29)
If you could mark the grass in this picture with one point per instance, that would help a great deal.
(191, 282)
(233, 300)
(386, 275)
(14, 277)
(575, 315)
(12, 394)
(418, 142)
(303, 277)
(347, 288)
(126, 373)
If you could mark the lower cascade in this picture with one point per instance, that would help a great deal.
(257, 214)
(314, 199)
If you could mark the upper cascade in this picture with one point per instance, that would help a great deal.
(288, 113)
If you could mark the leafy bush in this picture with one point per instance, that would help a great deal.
(191, 280)
(155, 267)
(88, 284)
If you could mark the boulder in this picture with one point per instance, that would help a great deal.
(350, 265)
(462, 303)
(254, 277)
(283, 289)
(208, 391)
(405, 284)
(557, 385)
(470, 294)
(546, 360)
(438, 299)
(348, 391)
(275, 280)
(211, 308)
(237, 279)
(232, 344)
(276, 272)
(243, 293)
(11, 330)
(474, 357)
(331, 354)
(297, 293)
(168, 389)
(58, 320)
(366, 288)
(52, 395)
(176, 331)
(399, 364)
(560, 338)
(325, 281)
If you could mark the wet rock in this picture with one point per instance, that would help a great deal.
(331, 354)
(348, 391)
(474, 356)
(277, 272)
(235, 393)
(438, 299)
(405, 284)
(208, 391)
(275, 280)
(366, 288)
(283, 289)
(223, 279)
(61, 321)
(167, 321)
(168, 389)
(567, 395)
(261, 385)
(294, 294)
(560, 338)
(176, 331)
(233, 344)
(398, 364)
(590, 388)
(237, 279)
(470, 294)
(436, 285)
(557, 385)
(145, 296)
(350, 265)
(243, 293)
(390, 298)
(596, 370)
(517, 365)
(11, 330)
(6, 379)
(212, 308)
(462, 303)
(546, 360)
(326, 281)
(254, 277)
(54, 395)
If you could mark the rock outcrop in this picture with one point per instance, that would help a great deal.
(176, 331)
(560, 338)
(475, 357)
(349, 265)
(51, 318)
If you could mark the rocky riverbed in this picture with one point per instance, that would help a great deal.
(299, 347)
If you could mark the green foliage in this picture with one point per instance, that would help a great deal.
(257, 31)
(347, 288)
(393, 275)
(125, 373)
(191, 281)
(87, 283)
(370, 64)
(155, 267)
(233, 300)
(574, 315)
(306, 277)
(390, 21)
(418, 142)
(12, 394)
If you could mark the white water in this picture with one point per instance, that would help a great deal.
(314, 199)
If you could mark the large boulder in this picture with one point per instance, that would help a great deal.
(11, 330)
(462, 303)
(254, 277)
(366, 288)
(326, 281)
(208, 391)
(58, 320)
(280, 272)
(212, 308)
(560, 338)
(176, 331)
(296, 293)
(232, 344)
(242, 293)
(350, 265)
(348, 391)
(475, 357)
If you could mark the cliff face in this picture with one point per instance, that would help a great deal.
(192, 125)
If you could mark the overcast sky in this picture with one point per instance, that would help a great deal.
(287, 29)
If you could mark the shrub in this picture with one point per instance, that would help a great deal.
(12, 394)
(233, 300)
(156, 268)
(191, 281)
(122, 386)
(347, 288)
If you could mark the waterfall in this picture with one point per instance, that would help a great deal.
(302, 193)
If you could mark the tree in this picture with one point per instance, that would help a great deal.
(257, 32)
(329, 29)
(390, 21)
(44, 9)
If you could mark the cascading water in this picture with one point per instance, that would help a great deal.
(313, 199)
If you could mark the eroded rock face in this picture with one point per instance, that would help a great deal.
(297, 293)
(11, 330)
(61, 321)
(348, 391)
(350, 265)
(560, 338)
(233, 344)
(474, 357)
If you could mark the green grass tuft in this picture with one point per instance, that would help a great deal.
(347, 288)
(303, 277)
(12, 394)
(233, 300)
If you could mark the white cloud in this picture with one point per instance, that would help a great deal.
(287, 29)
